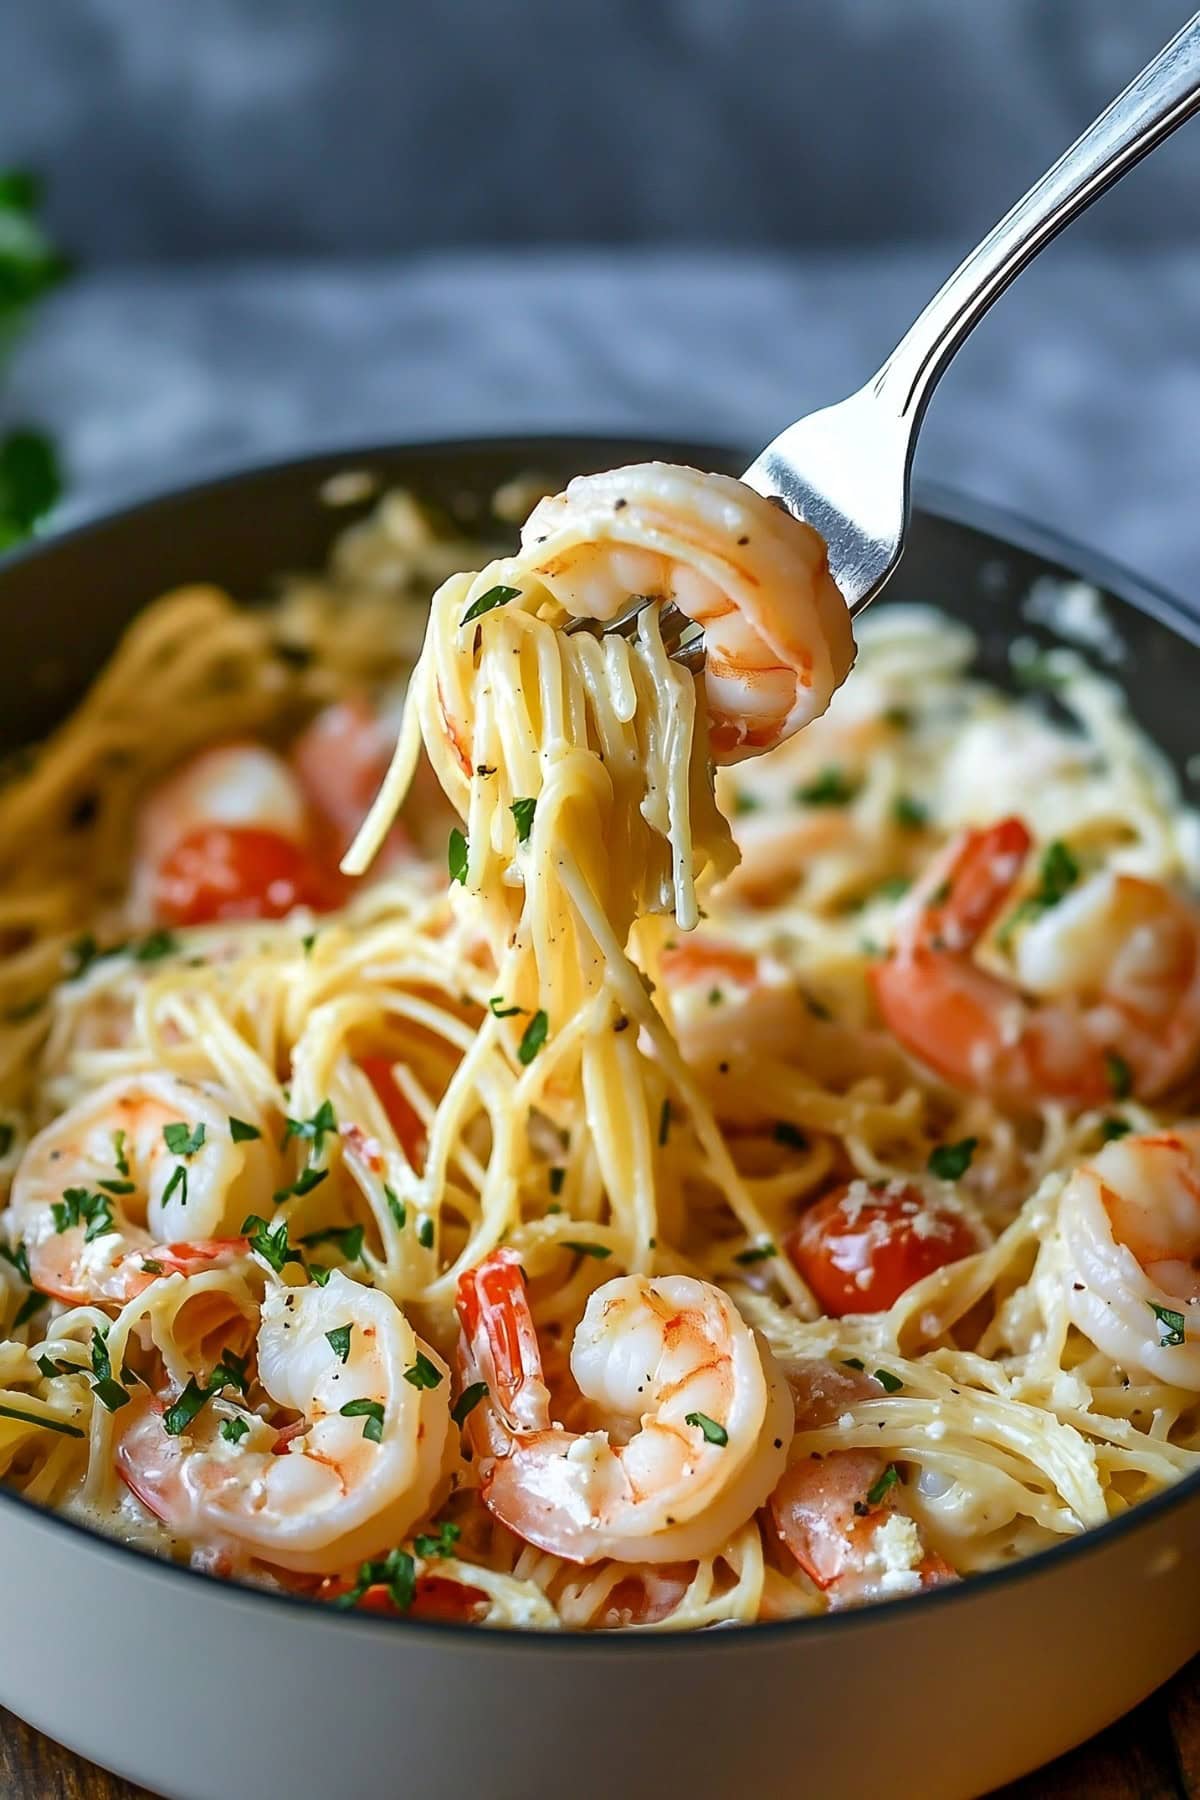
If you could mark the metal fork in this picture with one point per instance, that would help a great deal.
(845, 470)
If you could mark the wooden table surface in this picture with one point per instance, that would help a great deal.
(1154, 1754)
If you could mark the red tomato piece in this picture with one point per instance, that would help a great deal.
(405, 1121)
(243, 872)
(436, 1597)
(859, 1248)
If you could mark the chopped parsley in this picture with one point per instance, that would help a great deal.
(305, 1182)
(339, 1341)
(1173, 1325)
(241, 1132)
(1112, 1128)
(599, 1251)
(80, 1206)
(498, 1009)
(891, 1384)
(557, 1178)
(314, 1130)
(533, 1037)
(395, 1205)
(348, 1238)
(31, 1304)
(1120, 1075)
(178, 1417)
(755, 1254)
(832, 787)
(179, 1179)
(887, 1481)
(234, 1430)
(894, 888)
(155, 946)
(183, 1140)
(396, 1572)
(18, 1259)
(456, 856)
(523, 811)
(107, 1390)
(26, 1418)
(853, 1362)
(423, 1374)
(949, 1161)
(744, 803)
(1058, 872)
(500, 595)
(715, 996)
(909, 814)
(425, 1234)
(272, 1246)
(467, 1401)
(120, 1160)
(372, 1412)
(441, 1545)
(711, 1432)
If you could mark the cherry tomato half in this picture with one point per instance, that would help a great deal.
(244, 872)
(859, 1248)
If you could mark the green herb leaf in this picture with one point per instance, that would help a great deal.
(949, 1161)
(832, 787)
(425, 1234)
(18, 1259)
(27, 1418)
(441, 1545)
(744, 802)
(710, 1430)
(348, 1238)
(120, 1160)
(234, 1430)
(500, 595)
(1120, 1075)
(30, 479)
(467, 1401)
(183, 1140)
(396, 1206)
(891, 1384)
(241, 1132)
(1112, 1128)
(599, 1251)
(523, 811)
(319, 1274)
(396, 1572)
(271, 1245)
(154, 946)
(423, 1374)
(909, 814)
(533, 1037)
(456, 856)
(557, 1178)
(339, 1341)
(119, 1189)
(109, 1392)
(80, 1206)
(30, 1306)
(1173, 1325)
(498, 1009)
(179, 1179)
(1058, 872)
(879, 1488)
(372, 1412)
(316, 1129)
(853, 1362)
(178, 1417)
(229, 1372)
(755, 1254)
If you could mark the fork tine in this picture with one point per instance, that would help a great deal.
(673, 622)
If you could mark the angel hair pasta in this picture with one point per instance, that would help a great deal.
(695, 1154)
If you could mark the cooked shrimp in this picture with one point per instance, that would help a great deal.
(335, 1491)
(1130, 1222)
(776, 630)
(100, 1192)
(1118, 962)
(694, 1417)
(227, 836)
(841, 1514)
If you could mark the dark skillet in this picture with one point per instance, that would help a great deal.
(212, 1692)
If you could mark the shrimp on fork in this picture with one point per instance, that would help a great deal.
(1107, 977)
(776, 630)
(694, 1417)
(1130, 1223)
(101, 1193)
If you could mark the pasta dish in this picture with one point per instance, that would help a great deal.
(551, 1106)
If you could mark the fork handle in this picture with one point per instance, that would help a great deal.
(1165, 94)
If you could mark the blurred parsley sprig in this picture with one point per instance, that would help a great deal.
(30, 265)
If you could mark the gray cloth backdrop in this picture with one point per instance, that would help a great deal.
(314, 221)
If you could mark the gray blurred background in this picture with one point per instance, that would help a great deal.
(304, 222)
